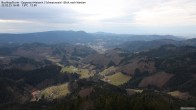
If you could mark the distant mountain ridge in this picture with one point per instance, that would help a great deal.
(137, 46)
(78, 37)
(46, 37)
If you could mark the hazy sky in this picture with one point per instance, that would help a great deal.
(176, 17)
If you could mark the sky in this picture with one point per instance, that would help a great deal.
(163, 17)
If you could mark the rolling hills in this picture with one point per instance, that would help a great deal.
(44, 72)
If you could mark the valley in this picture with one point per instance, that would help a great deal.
(91, 71)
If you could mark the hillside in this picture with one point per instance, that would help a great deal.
(154, 74)
(91, 95)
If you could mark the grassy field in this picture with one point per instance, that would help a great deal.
(133, 91)
(69, 69)
(55, 60)
(117, 79)
(108, 70)
(84, 73)
(55, 92)
(178, 94)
